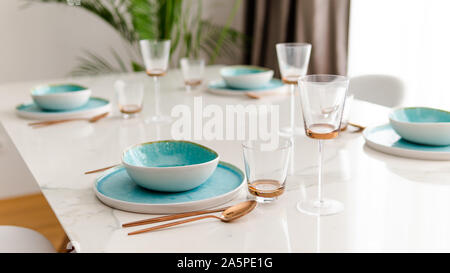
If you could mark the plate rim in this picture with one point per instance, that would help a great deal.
(114, 169)
(61, 112)
(404, 152)
(60, 115)
(243, 90)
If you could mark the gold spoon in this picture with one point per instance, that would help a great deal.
(232, 213)
(51, 122)
(171, 217)
(102, 169)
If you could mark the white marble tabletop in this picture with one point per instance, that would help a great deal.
(391, 203)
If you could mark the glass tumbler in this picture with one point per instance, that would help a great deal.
(266, 166)
(130, 95)
(192, 70)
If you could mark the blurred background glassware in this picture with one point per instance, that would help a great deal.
(266, 168)
(156, 59)
(293, 61)
(192, 70)
(130, 95)
(347, 111)
(322, 98)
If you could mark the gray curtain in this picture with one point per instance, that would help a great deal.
(322, 23)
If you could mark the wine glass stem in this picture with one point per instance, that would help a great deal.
(291, 159)
(292, 108)
(320, 161)
(156, 82)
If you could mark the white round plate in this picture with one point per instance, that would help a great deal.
(95, 106)
(116, 189)
(384, 139)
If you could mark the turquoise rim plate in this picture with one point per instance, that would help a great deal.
(91, 104)
(221, 85)
(116, 189)
(384, 139)
(94, 106)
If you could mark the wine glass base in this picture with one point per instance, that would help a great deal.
(287, 131)
(158, 119)
(318, 208)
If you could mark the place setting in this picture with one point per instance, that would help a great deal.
(166, 177)
(186, 179)
(245, 80)
(60, 103)
(413, 132)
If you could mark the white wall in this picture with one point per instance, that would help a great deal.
(406, 38)
(43, 40)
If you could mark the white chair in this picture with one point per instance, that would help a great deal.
(15, 239)
(380, 89)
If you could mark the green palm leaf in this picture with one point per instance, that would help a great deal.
(156, 19)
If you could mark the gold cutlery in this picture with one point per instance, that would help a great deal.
(255, 96)
(102, 169)
(93, 119)
(360, 127)
(171, 217)
(232, 213)
(252, 95)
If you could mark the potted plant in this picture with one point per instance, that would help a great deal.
(177, 20)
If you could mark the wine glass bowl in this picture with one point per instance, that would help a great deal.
(322, 98)
(293, 60)
(156, 56)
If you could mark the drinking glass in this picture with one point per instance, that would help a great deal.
(266, 168)
(293, 60)
(130, 95)
(192, 70)
(156, 59)
(322, 98)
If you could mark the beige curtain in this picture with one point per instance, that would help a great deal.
(323, 23)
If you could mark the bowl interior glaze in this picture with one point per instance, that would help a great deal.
(233, 71)
(56, 89)
(163, 154)
(420, 115)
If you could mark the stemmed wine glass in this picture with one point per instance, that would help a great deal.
(293, 60)
(322, 99)
(156, 59)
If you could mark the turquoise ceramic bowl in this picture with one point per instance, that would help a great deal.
(246, 76)
(422, 125)
(169, 165)
(60, 97)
